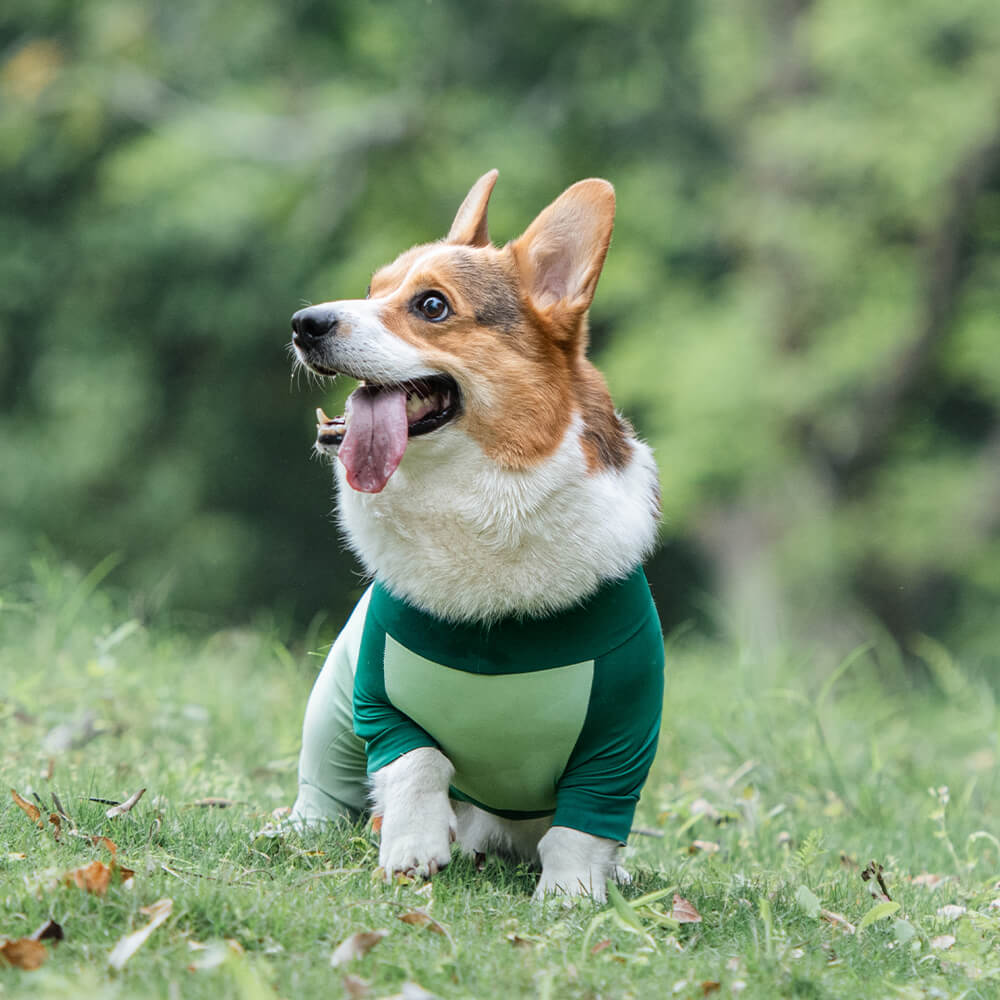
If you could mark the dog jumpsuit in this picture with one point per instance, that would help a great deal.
(555, 715)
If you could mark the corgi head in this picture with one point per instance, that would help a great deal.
(463, 336)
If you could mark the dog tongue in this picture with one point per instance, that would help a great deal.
(375, 438)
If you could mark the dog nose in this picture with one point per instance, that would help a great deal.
(312, 324)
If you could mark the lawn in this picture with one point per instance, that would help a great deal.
(777, 788)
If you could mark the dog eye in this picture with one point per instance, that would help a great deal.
(433, 306)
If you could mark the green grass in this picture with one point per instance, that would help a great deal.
(789, 775)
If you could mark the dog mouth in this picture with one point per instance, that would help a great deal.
(379, 420)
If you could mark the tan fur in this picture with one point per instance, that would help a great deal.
(517, 338)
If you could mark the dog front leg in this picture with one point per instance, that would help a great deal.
(418, 823)
(576, 864)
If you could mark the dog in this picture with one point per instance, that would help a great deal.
(500, 683)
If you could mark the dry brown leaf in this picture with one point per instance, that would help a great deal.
(929, 880)
(873, 872)
(28, 808)
(376, 824)
(23, 953)
(112, 847)
(97, 876)
(356, 946)
(126, 806)
(710, 986)
(419, 918)
(56, 820)
(600, 946)
(706, 846)
(520, 942)
(157, 912)
(683, 912)
(356, 987)
(837, 920)
(49, 931)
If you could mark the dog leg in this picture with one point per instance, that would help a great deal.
(576, 864)
(418, 824)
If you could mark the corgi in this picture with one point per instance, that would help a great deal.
(500, 682)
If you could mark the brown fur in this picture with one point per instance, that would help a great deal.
(516, 339)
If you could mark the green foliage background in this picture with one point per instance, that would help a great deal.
(799, 311)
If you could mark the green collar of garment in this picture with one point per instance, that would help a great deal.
(599, 623)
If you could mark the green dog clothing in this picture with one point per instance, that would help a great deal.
(539, 716)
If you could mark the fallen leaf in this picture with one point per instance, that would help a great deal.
(376, 824)
(683, 912)
(213, 955)
(702, 807)
(873, 871)
(837, 920)
(356, 987)
(56, 820)
(23, 953)
(600, 946)
(49, 931)
(943, 942)
(706, 846)
(106, 841)
(951, 912)
(418, 918)
(125, 806)
(710, 986)
(929, 880)
(29, 808)
(97, 876)
(520, 942)
(157, 912)
(356, 946)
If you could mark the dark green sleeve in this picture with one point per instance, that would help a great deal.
(387, 732)
(600, 787)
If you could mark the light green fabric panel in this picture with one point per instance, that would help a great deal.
(478, 718)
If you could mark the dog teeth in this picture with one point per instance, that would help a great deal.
(322, 420)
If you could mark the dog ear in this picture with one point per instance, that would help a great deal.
(469, 226)
(561, 253)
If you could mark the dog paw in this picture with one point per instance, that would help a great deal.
(418, 853)
(572, 884)
(576, 864)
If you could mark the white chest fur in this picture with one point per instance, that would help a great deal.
(466, 540)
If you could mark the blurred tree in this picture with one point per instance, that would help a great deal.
(799, 309)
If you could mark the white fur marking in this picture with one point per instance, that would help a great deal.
(365, 348)
(467, 540)
(418, 825)
(576, 864)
